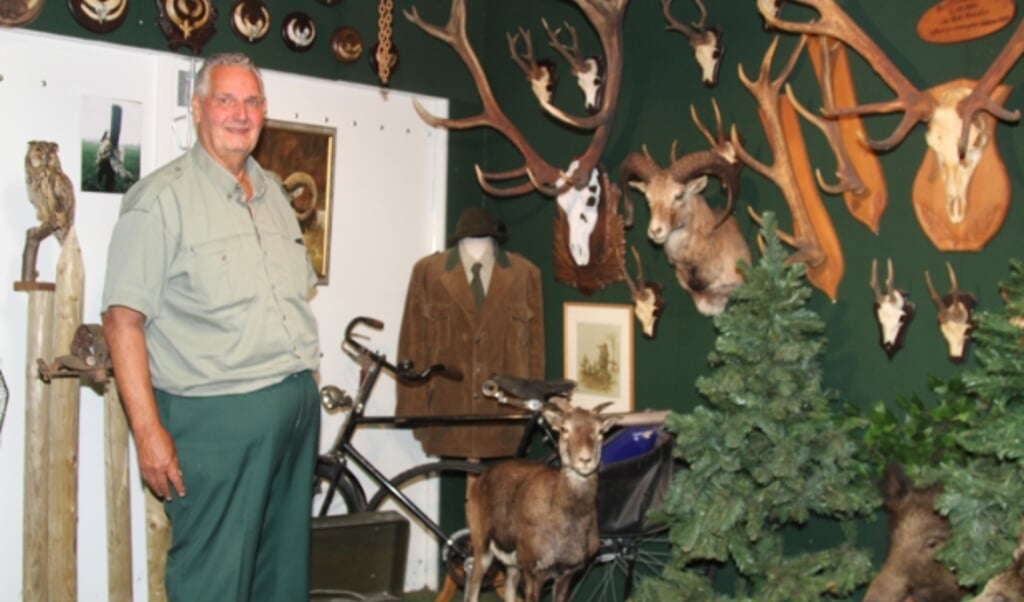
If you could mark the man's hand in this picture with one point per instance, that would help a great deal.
(158, 463)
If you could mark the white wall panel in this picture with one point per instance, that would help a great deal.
(389, 199)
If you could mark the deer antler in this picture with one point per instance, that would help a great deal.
(766, 91)
(606, 18)
(835, 23)
(917, 106)
(727, 167)
(980, 98)
(542, 176)
(675, 25)
(571, 53)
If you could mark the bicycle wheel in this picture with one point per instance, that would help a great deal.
(456, 552)
(335, 489)
(621, 561)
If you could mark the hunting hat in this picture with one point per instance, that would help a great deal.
(475, 221)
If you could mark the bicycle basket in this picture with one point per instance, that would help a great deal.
(629, 486)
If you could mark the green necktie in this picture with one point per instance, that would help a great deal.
(477, 286)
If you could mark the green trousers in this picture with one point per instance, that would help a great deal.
(242, 531)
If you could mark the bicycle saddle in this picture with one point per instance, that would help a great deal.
(526, 388)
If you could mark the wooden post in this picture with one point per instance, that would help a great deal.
(158, 541)
(63, 427)
(37, 406)
(119, 523)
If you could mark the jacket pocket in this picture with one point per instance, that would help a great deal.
(439, 326)
(521, 317)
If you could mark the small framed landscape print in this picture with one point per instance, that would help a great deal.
(599, 354)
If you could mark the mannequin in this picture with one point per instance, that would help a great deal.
(442, 324)
(474, 246)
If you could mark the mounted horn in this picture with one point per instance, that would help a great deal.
(893, 311)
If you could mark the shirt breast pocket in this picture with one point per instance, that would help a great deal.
(220, 276)
(287, 264)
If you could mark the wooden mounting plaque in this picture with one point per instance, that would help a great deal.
(952, 21)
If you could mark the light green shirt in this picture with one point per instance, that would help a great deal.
(224, 285)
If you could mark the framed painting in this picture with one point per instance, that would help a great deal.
(599, 354)
(302, 157)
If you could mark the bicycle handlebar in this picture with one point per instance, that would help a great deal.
(404, 371)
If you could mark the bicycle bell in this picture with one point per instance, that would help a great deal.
(332, 398)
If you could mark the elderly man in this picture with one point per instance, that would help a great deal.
(214, 345)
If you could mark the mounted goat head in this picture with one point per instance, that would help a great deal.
(702, 244)
(648, 302)
(958, 135)
(706, 42)
(893, 310)
(599, 266)
(955, 310)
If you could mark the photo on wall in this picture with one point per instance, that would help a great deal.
(111, 144)
(599, 354)
(301, 156)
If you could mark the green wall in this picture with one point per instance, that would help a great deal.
(661, 80)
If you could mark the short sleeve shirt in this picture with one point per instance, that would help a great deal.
(224, 284)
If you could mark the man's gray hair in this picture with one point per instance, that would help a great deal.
(235, 59)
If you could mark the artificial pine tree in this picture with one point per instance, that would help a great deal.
(984, 495)
(764, 454)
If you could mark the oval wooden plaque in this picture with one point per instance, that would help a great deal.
(961, 20)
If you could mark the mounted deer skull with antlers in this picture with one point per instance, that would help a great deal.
(589, 70)
(706, 42)
(893, 309)
(955, 311)
(961, 143)
(593, 268)
(648, 302)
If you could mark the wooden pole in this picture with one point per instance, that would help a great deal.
(37, 406)
(119, 524)
(63, 427)
(158, 541)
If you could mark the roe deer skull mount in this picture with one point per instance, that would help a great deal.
(893, 310)
(955, 311)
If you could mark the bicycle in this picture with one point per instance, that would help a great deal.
(344, 493)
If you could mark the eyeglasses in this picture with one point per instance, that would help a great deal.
(227, 101)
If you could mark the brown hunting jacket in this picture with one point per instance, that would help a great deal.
(441, 325)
